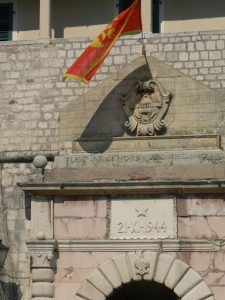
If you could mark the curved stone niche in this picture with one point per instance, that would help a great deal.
(186, 283)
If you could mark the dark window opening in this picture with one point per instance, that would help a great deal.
(143, 290)
(155, 25)
(124, 4)
(6, 21)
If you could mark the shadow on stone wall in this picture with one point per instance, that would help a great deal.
(107, 122)
(11, 291)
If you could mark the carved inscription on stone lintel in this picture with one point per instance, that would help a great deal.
(140, 219)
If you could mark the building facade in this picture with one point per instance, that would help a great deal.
(31, 20)
(114, 189)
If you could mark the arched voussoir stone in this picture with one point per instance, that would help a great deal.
(199, 292)
(110, 272)
(175, 274)
(90, 292)
(162, 268)
(98, 280)
(122, 265)
(189, 281)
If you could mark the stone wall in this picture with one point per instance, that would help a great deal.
(32, 92)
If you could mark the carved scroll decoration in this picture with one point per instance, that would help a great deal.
(145, 106)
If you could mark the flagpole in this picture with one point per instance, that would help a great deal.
(144, 54)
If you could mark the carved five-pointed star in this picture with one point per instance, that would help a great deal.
(142, 212)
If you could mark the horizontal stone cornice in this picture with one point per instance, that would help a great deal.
(125, 187)
(167, 245)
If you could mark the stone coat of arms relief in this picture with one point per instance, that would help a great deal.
(145, 106)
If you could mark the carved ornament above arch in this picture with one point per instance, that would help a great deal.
(162, 268)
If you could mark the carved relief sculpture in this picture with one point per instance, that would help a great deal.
(142, 266)
(145, 106)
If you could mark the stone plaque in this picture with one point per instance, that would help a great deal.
(152, 218)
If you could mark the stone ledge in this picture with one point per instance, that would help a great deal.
(133, 245)
(106, 187)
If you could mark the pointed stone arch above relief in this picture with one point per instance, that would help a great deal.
(98, 114)
(162, 268)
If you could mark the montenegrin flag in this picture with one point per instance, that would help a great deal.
(127, 22)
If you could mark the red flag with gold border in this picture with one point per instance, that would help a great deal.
(127, 22)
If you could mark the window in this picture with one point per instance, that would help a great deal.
(124, 4)
(155, 23)
(6, 21)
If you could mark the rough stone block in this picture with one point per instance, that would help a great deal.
(219, 261)
(42, 289)
(42, 275)
(110, 271)
(199, 261)
(121, 263)
(163, 265)
(201, 206)
(201, 227)
(190, 279)
(176, 272)
(97, 279)
(88, 291)
(67, 207)
(84, 228)
(201, 291)
(218, 293)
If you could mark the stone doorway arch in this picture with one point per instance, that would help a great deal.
(161, 268)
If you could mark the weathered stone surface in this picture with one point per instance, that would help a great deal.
(88, 291)
(189, 281)
(199, 261)
(110, 271)
(176, 272)
(220, 261)
(162, 268)
(84, 228)
(215, 278)
(66, 288)
(197, 293)
(42, 218)
(153, 169)
(201, 227)
(100, 282)
(218, 292)
(145, 144)
(42, 289)
(79, 207)
(40, 275)
(121, 263)
(201, 205)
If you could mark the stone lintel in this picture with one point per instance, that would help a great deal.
(125, 187)
(159, 245)
(149, 143)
